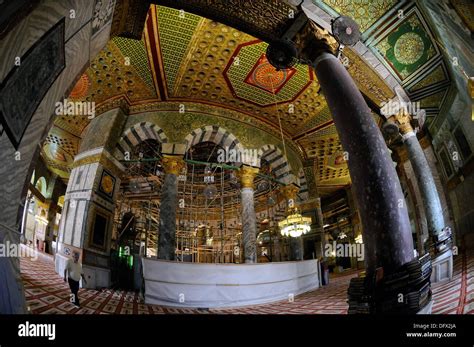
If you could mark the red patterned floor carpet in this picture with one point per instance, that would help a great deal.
(46, 293)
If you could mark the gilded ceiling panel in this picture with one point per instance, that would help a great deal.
(437, 75)
(364, 12)
(407, 46)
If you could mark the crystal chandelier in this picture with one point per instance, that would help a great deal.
(295, 225)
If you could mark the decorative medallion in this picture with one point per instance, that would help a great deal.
(252, 78)
(409, 48)
(81, 88)
(265, 76)
(107, 184)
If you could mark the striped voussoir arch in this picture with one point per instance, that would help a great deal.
(215, 134)
(303, 193)
(276, 159)
(139, 133)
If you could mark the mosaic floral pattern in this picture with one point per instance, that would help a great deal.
(266, 77)
(407, 47)
(364, 12)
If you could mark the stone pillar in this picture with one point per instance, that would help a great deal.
(386, 228)
(424, 177)
(296, 243)
(388, 243)
(172, 164)
(440, 236)
(249, 230)
(312, 208)
(87, 215)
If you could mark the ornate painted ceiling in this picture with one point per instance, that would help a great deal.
(183, 57)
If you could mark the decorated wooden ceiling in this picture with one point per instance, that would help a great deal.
(185, 57)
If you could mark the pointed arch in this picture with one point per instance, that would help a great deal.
(215, 134)
(278, 162)
(137, 134)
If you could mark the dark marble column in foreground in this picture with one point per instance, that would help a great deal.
(386, 228)
(387, 238)
(168, 204)
(249, 229)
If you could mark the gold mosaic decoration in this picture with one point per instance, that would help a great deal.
(364, 12)
(409, 48)
(366, 79)
(433, 100)
(111, 77)
(437, 75)
(175, 30)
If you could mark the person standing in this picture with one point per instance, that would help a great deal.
(73, 272)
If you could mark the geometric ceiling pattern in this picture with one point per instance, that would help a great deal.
(258, 82)
(185, 57)
(399, 35)
(408, 46)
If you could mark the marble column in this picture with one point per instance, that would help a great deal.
(173, 164)
(296, 243)
(386, 228)
(312, 207)
(424, 177)
(249, 229)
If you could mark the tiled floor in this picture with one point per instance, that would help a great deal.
(46, 293)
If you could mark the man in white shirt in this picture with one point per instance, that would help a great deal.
(73, 273)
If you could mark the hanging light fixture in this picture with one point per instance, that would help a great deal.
(295, 225)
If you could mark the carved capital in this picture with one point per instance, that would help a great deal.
(289, 191)
(403, 120)
(312, 40)
(173, 164)
(247, 174)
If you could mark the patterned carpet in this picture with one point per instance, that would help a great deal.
(46, 293)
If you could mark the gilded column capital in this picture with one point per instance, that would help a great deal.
(312, 40)
(247, 174)
(290, 191)
(403, 120)
(172, 164)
